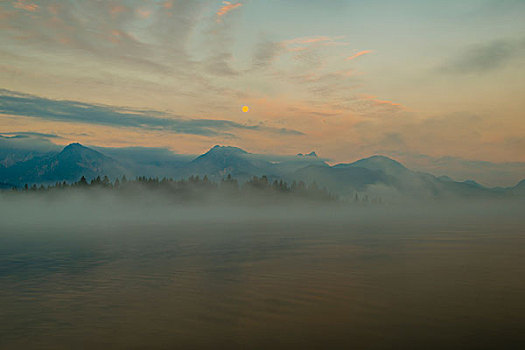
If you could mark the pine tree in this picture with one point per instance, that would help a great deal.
(83, 181)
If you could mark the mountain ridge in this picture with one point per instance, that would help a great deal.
(375, 173)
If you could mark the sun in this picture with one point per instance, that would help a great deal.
(245, 109)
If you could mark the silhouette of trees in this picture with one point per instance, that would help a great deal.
(197, 188)
(82, 181)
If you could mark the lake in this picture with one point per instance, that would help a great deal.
(263, 281)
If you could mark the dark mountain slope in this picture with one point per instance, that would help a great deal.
(73, 162)
(377, 175)
(385, 164)
(343, 180)
(223, 160)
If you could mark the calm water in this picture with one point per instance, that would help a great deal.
(264, 284)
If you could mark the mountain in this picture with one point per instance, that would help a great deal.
(287, 166)
(376, 175)
(73, 162)
(220, 161)
(445, 178)
(382, 163)
(519, 189)
(148, 161)
(311, 154)
(401, 181)
(76, 160)
(342, 180)
(484, 172)
(21, 148)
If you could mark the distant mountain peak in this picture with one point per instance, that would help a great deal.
(221, 152)
(77, 148)
(377, 162)
(445, 178)
(472, 183)
(381, 158)
(74, 145)
(380, 161)
(520, 184)
(76, 154)
(311, 154)
(226, 149)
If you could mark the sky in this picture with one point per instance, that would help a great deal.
(347, 79)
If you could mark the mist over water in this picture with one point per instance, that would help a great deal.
(102, 271)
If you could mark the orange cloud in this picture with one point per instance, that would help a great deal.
(309, 42)
(168, 5)
(228, 6)
(377, 102)
(114, 10)
(24, 5)
(386, 102)
(360, 53)
(143, 13)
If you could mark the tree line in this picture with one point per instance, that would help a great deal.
(196, 188)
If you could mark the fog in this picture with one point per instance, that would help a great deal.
(142, 269)
(144, 207)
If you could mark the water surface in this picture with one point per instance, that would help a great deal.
(263, 283)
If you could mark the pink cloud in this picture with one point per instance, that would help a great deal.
(386, 102)
(114, 10)
(360, 53)
(378, 102)
(25, 5)
(309, 40)
(228, 6)
(143, 13)
(306, 43)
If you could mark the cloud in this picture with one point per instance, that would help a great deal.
(266, 52)
(22, 134)
(143, 13)
(311, 42)
(86, 31)
(360, 53)
(485, 57)
(228, 6)
(311, 51)
(25, 5)
(116, 9)
(15, 103)
(19, 146)
(461, 134)
(376, 102)
(219, 64)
